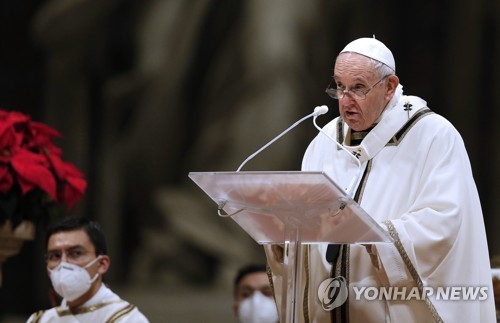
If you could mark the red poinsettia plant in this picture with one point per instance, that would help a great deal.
(33, 176)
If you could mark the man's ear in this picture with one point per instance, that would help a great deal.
(392, 84)
(104, 263)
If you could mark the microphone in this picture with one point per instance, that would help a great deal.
(319, 110)
(350, 188)
(322, 109)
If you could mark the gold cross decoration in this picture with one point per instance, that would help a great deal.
(408, 108)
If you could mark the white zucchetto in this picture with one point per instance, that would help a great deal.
(372, 48)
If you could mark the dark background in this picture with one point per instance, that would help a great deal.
(146, 91)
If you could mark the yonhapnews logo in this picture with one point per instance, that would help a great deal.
(449, 293)
(333, 292)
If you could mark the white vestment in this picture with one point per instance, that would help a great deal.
(104, 306)
(417, 183)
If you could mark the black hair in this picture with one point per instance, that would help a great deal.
(247, 270)
(92, 228)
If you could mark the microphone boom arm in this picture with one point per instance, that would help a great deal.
(350, 188)
(317, 111)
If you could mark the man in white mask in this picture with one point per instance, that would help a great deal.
(413, 176)
(76, 260)
(254, 302)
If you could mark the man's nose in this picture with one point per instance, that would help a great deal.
(64, 257)
(346, 99)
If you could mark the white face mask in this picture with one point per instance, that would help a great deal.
(257, 309)
(72, 281)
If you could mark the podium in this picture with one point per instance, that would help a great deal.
(290, 209)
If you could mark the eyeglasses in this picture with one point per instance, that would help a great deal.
(74, 255)
(357, 94)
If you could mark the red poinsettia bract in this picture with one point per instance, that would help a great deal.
(29, 158)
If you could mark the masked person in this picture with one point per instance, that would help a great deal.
(254, 302)
(413, 176)
(76, 261)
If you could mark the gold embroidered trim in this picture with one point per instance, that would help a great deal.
(120, 313)
(358, 135)
(271, 283)
(361, 188)
(83, 310)
(336, 271)
(270, 277)
(402, 252)
(306, 288)
(340, 132)
(333, 273)
(37, 316)
(399, 136)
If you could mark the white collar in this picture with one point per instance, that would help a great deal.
(104, 294)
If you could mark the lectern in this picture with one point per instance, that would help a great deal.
(291, 209)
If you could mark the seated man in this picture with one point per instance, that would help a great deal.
(76, 260)
(253, 296)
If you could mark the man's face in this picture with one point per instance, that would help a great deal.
(354, 71)
(248, 285)
(73, 247)
(251, 283)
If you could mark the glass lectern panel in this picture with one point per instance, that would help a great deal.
(264, 203)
